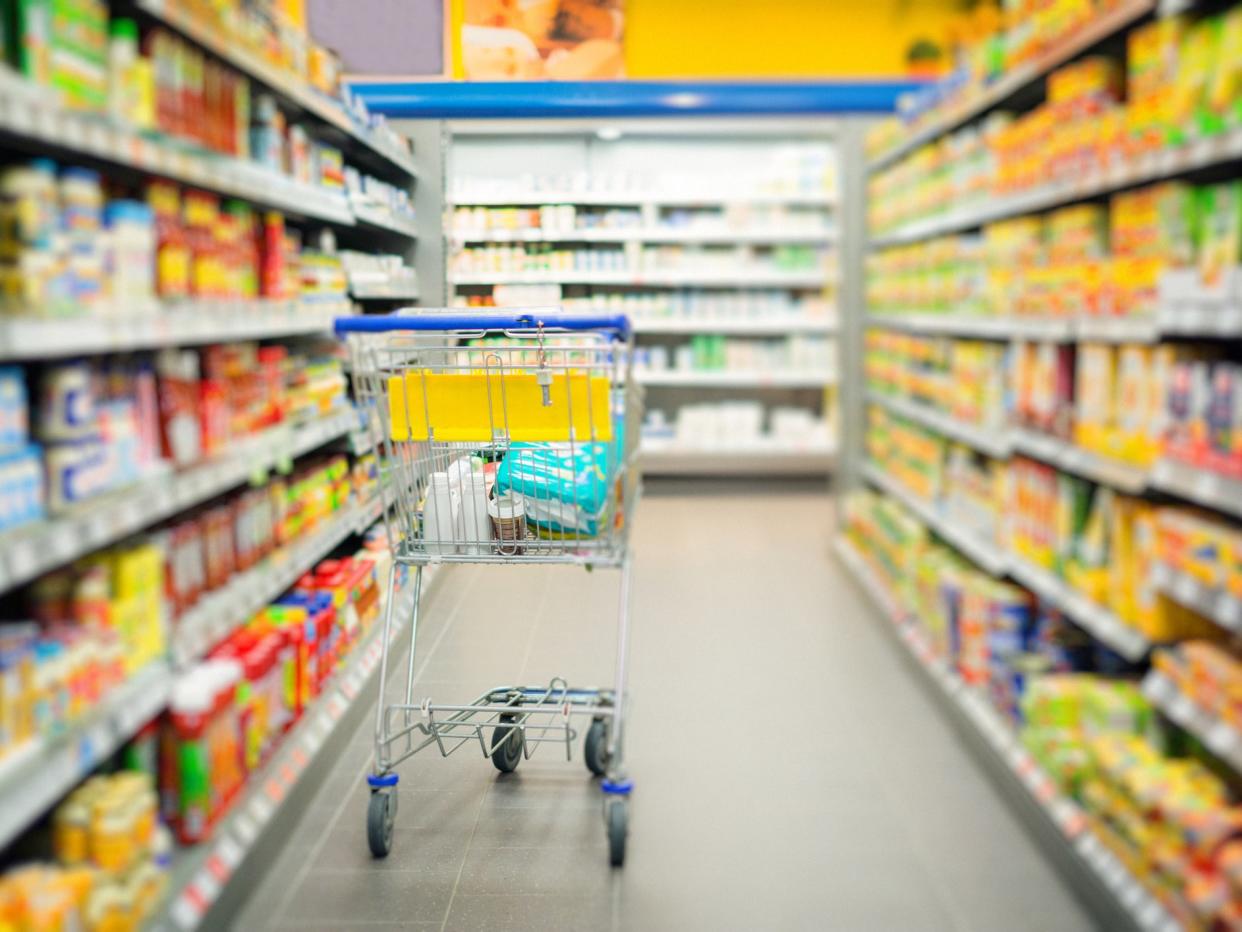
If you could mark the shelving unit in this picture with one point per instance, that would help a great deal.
(742, 245)
(1016, 81)
(1125, 173)
(1068, 834)
(1113, 586)
(37, 775)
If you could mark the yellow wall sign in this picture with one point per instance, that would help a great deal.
(464, 407)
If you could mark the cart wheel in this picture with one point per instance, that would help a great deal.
(595, 748)
(381, 816)
(507, 751)
(617, 821)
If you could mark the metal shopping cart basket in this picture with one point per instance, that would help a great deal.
(508, 437)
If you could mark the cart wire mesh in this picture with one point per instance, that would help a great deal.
(548, 420)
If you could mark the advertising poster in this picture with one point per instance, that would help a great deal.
(568, 40)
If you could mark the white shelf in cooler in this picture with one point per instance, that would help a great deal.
(653, 279)
(758, 324)
(736, 379)
(774, 236)
(673, 457)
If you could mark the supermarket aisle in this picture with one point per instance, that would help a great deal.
(791, 774)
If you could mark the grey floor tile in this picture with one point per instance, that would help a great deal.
(546, 871)
(529, 913)
(791, 772)
(342, 897)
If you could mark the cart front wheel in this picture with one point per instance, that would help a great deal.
(507, 744)
(381, 816)
(595, 748)
(617, 821)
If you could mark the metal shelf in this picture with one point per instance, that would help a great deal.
(1127, 641)
(1113, 890)
(670, 458)
(34, 115)
(168, 324)
(1201, 486)
(212, 876)
(995, 442)
(971, 325)
(531, 197)
(298, 93)
(647, 235)
(220, 612)
(654, 279)
(1217, 604)
(1221, 738)
(1204, 153)
(1020, 78)
(980, 550)
(759, 324)
(1106, 627)
(1220, 324)
(736, 379)
(367, 215)
(34, 777)
(33, 549)
(1080, 461)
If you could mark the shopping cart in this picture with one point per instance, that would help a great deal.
(509, 437)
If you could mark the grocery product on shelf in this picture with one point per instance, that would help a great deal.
(228, 712)
(111, 861)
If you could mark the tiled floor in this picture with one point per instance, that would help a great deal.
(790, 773)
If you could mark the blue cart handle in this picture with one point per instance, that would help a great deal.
(618, 324)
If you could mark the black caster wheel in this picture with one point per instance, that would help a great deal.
(595, 748)
(381, 816)
(507, 744)
(616, 819)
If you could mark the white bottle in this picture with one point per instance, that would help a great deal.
(440, 515)
(476, 523)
